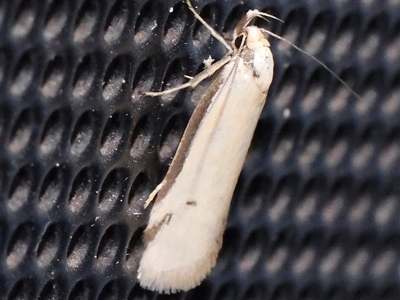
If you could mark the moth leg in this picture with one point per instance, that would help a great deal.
(153, 194)
(208, 62)
(210, 68)
(209, 71)
(213, 32)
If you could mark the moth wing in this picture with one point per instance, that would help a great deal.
(184, 234)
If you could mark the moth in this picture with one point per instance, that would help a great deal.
(188, 219)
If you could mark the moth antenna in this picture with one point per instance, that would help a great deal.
(213, 32)
(315, 59)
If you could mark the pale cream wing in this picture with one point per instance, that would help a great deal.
(195, 209)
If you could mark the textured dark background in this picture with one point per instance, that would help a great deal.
(316, 211)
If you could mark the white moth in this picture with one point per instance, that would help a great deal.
(186, 225)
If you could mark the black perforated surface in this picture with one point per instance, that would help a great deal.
(316, 211)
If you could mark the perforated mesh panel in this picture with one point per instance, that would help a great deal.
(316, 211)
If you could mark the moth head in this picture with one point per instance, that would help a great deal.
(252, 37)
(255, 38)
(244, 33)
